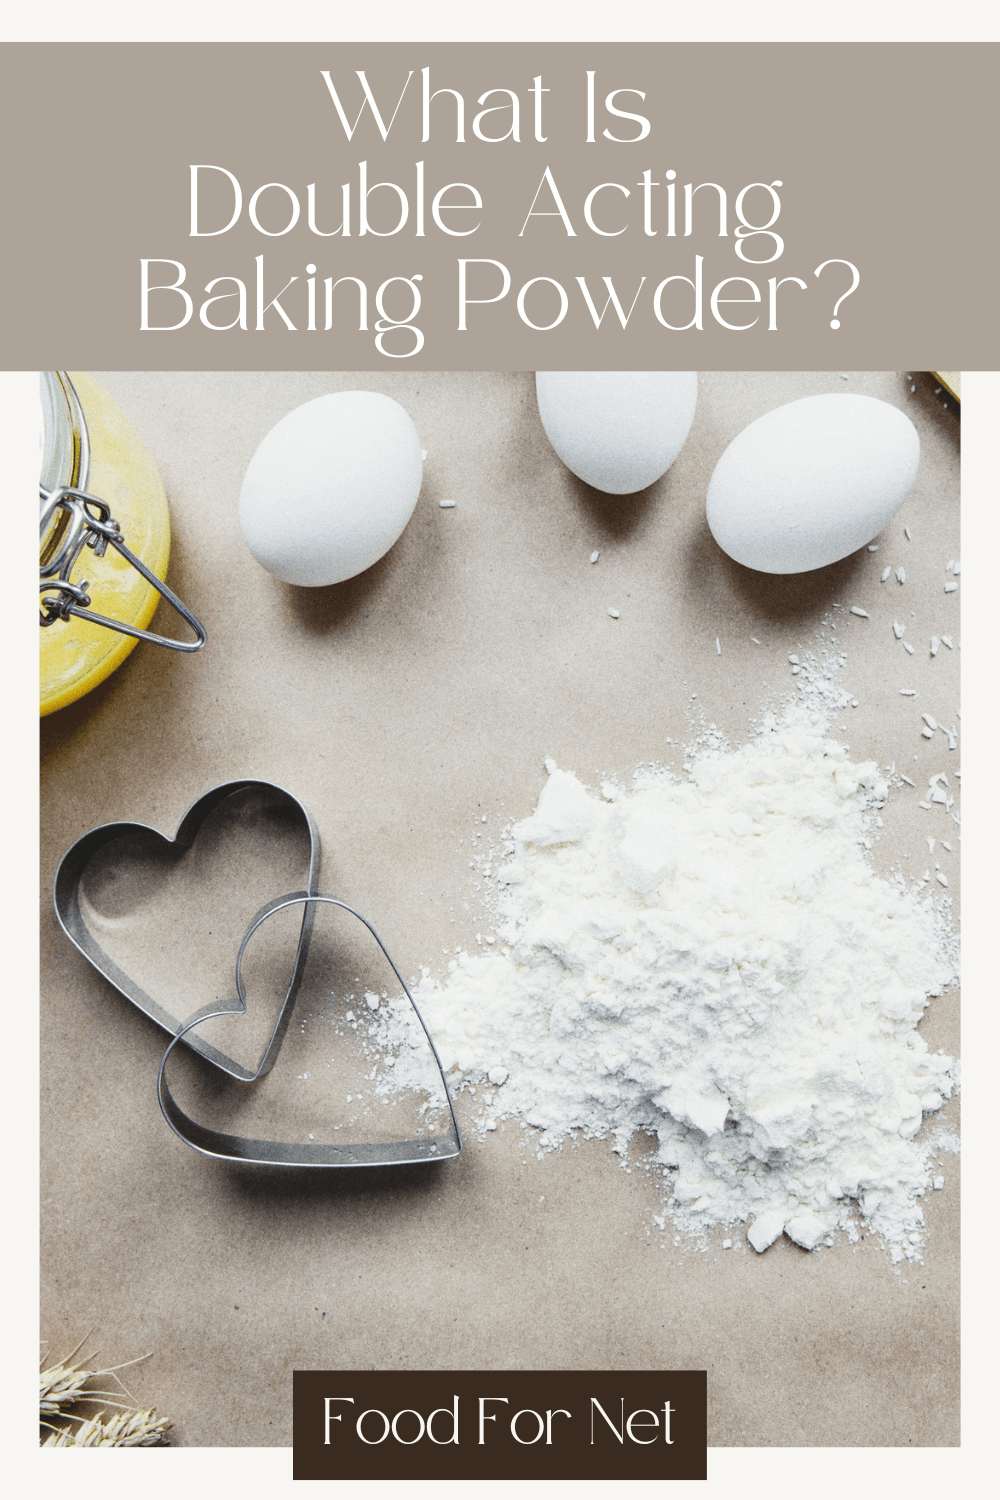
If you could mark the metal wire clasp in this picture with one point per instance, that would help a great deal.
(86, 521)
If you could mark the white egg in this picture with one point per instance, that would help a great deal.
(331, 487)
(618, 430)
(811, 482)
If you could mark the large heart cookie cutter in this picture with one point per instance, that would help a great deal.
(304, 1154)
(70, 906)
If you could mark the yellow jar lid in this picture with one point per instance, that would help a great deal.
(76, 654)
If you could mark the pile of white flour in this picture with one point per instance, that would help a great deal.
(712, 961)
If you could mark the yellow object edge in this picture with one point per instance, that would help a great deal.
(123, 473)
(951, 380)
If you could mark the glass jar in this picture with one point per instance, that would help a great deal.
(102, 559)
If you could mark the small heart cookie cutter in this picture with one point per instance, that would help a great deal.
(66, 897)
(70, 913)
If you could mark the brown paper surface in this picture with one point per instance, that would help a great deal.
(401, 708)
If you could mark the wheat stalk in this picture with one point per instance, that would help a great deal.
(135, 1429)
(66, 1384)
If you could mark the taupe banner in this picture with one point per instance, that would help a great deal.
(474, 206)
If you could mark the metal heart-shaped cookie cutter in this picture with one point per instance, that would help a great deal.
(303, 1154)
(70, 913)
